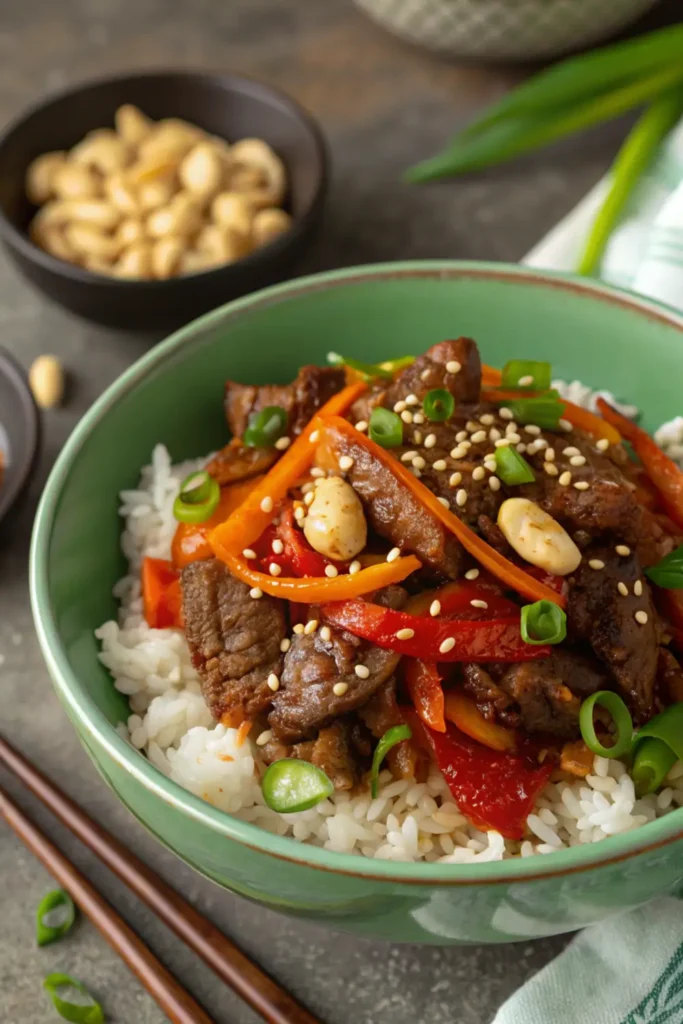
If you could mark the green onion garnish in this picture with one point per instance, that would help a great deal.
(391, 737)
(369, 371)
(668, 573)
(392, 366)
(656, 748)
(543, 622)
(545, 411)
(79, 1013)
(198, 498)
(46, 933)
(512, 468)
(526, 374)
(265, 427)
(385, 428)
(621, 717)
(290, 785)
(438, 405)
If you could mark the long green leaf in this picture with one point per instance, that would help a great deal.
(632, 160)
(579, 78)
(512, 138)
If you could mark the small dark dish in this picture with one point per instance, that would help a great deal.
(226, 105)
(19, 431)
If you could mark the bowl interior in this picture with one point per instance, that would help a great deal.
(173, 395)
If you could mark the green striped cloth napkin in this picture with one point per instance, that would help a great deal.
(645, 252)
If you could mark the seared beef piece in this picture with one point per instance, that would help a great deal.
(495, 704)
(234, 640)
(382, 713)
(657, 537)
(313, 386)
(332, 751)
(429, 371)
(493, 534)
(669, 677)
(238, 462)
(601, 615)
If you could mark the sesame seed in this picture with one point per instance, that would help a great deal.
(315, 437)
(453, 366)
(407, 416)
(267, 504)
(362, 671)
(408, 456)
(622, 588)
(273, 682)
(405, 634)
(345, 463)
(521, 448)
(283, 443)
(256, 593)
(513, 438)
(505, 413)
(477, 603)
(459, 452)
(416, 473)
(425, 374)
(309, 498)
(641, 617)
(461, 497)
(444, 502)
(540, 443)
(399, 406)
(596, 563)
(526, 381)
(299, 513)
(430, 440)
(418, 417)
(478, 473)
(309, 486)
(550, 468)
(331, 571)
(621, 549)
(310, 626)
(466, 445)
(325, 633)
(565, 478)
(462, 435)
(419, 462)
(502, 442)
(472, 574)
(638, 588)
(565, 425)
(412, 399)
(439, 465)
(354, 567)
(447, 645)
(435, 608)
(248, 553)
(472, 426)
(550, 455)
(264, 737)
(577, 460)
(362, 425)
(494, 483)
(478, 436)
(274, 569)
(285, 645)
(511, 427)
(339, 689)
(602, 445)
(299, 628)
(454, 479)
(487, 419)
(494, 434)
(417, 436)
(317, 472)
(531, 428)
(581, 485)
(394, 554)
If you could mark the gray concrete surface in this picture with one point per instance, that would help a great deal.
(383, 106)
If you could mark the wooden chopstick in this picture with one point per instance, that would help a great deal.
(174, 1000)
(247, 979)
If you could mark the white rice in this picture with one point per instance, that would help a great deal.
(409, 821)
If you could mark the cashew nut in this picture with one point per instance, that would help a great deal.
(121, 195)
(180, 217)
(51, 239)
(130, 231)
(136, 261)
(232, 210)
(193, 261)
(257, 153)
(335, 525)
(170, 139)
(270, 224)
(131, 124)
(99, 266)
(89, 241)
(222, 244)
(154, 194)
(102, 149)
(537, 537)
(40, 176)
(201, 171)
(76, 181)
(166, 253)
(46, 378)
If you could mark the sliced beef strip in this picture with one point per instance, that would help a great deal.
(599, 614)
(238, 462)
(313, 386)
(332, 750)
(382, 713)
(234, 640)
(495, 704)
(669, 677)
(430, 371)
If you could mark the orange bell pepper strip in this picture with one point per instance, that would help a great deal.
(662, 471)
(191, 540)
(161, 594)
(423, 683)
(463, 712)
(487, 556)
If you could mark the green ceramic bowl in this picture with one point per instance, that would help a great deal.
(173, 394)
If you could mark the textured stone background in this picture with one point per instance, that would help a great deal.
(383, 106)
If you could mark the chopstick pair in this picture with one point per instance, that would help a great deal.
(273, 1003)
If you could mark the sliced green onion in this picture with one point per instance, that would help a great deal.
(528, 374)
(78, 1013)
(668, 573)
(265, 427)
(652, 762)
(369, 371)
(393, 366)
(621, 717)
(290, 785)
(46, 933)
(385, 428)
(391, 737)
(543, 622)
(198, 498)
(438, 405)
(512, 468)
(544, 411)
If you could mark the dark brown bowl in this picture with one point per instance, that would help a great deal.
(226, 105)
(19, 431)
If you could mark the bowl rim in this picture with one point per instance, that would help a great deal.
(13, 373)
(92, 721)
(22, 241)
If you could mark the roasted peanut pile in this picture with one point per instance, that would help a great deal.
(155, 199)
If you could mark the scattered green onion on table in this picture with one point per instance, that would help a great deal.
(54, 901)
(78, 1013)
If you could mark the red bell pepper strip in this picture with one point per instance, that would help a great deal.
(303, 559)
(556, 583)
(161, 594)
(423, 682)
(493, 789)
(478, 640)
(662, 471)
(670, 603)
(456, 599)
